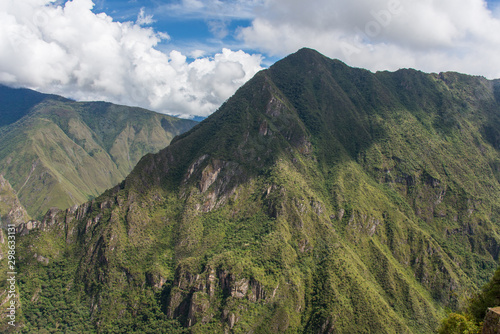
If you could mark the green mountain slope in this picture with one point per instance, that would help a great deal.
(318, 199)
(63, 153)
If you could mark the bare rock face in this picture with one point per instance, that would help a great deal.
(491, 323)
(196, 294)
(41, 259)
(11, 210)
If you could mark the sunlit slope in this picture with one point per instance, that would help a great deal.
(62, 152)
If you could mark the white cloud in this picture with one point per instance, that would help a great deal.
(211, 9)
(64, 48)
(69, 50)
(460, 35)
(218, 28)
(143, 19)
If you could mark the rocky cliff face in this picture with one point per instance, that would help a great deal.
(491, 323)
(11, 210)
(318, 199)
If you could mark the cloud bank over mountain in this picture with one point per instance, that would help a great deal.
(459, 35)
(67, 48)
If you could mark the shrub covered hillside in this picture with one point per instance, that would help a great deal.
(318, 199)
(57, 153)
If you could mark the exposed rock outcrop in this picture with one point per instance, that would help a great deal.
(491, 323)
(11, 209)
(196, 294)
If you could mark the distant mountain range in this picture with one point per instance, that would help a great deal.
(320, 198)
(57, 152)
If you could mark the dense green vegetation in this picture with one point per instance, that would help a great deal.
(457, 323)
(470, 319)
(54, 306)
(318, 199)
(489, 296)
(62, 153)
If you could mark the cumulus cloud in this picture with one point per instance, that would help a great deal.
(460, 35)
(69, 50)
(63, 47)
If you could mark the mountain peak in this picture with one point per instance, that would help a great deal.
(308, 52)
(309, 56)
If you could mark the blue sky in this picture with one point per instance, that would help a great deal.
(493, 3)
(191, 28)
(186, 57)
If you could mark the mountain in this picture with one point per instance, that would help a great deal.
(199, 118)
(17, 102)
(320, 198)
(57, 153)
